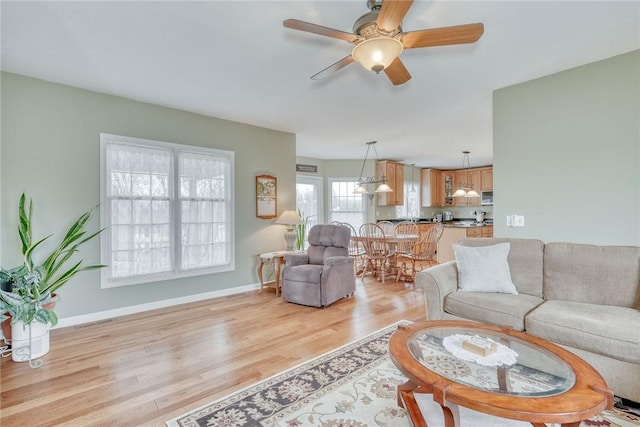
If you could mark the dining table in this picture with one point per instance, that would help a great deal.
(391, 241)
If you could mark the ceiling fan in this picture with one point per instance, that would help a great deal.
(379, 39)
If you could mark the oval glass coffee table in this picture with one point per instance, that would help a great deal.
(497, 371)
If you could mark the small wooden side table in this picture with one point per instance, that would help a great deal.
(277, 259)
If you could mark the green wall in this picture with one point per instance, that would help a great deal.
(50, 150)
(567, 154)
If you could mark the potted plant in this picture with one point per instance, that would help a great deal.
(30, 312)
(33, 284)
(301, 231)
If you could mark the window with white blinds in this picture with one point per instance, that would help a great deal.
(167, 208)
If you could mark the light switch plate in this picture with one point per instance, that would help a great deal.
(518, 221)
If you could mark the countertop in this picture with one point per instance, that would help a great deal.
(455, 223)
(466, 224)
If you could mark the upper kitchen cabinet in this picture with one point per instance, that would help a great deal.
(487, 179)
(472, 177)
(431, 185)
(448, 186)
(394, 173)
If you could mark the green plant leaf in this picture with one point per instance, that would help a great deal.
(12, 298)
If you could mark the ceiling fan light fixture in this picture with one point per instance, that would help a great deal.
(378, 53)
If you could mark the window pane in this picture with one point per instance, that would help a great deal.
(160, 212)
(121, 211)
(120, 183)
(141, 211)
(141, 184)
(159, 185)
(121, 237)
(204, 208)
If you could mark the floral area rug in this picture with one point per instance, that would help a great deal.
(353, 386)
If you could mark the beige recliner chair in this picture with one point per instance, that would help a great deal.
(323, 274)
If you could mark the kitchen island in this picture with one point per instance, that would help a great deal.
(456, 230)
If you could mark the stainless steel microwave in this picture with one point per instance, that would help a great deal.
(486, 198)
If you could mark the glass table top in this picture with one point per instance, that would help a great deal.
(514, 366)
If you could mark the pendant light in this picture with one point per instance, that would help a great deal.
(413, 183)
(465, 189)
(363, 181)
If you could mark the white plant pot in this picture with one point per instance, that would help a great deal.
(20, 351)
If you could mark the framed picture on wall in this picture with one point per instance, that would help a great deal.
(266, 196)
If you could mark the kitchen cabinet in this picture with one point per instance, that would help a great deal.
(448, 186)
(431, 185)
(486, 179)
(474, 232)
(424, 228)
(484, 231)
(472, 177)
(394, 172)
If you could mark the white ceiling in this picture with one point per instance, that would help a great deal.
(235, 60)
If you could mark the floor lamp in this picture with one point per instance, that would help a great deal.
(290, 219)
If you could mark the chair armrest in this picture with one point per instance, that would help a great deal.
(298, 258)
(337, 260)
(437, 282)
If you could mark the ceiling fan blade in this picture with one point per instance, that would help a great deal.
(397, 72)
(391, 14)
(319, 29)
(459, 34)
(333, 68)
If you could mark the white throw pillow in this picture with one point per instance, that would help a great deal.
(484, 268)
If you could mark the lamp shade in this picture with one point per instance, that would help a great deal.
(460, 192)
(472, 193)
(360, 190)
(289, 218)
(378, 53)
(384, 188)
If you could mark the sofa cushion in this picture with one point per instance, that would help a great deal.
(484, 269)
(525, 261)
(498, 309)
(608, 275)
(601, 329)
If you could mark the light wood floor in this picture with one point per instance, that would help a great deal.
(144, 369)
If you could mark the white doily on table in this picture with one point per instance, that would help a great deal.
(502, 356)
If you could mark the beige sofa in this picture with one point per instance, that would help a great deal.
(585, 298)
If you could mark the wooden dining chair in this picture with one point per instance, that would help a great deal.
(406, 228)
(377, 254)
(387, 226)
(356, 251)
(421, 255)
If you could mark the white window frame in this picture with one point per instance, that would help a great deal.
(330, 181)
(106, 281)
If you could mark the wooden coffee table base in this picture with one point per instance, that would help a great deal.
(450, 411)
(588, 397)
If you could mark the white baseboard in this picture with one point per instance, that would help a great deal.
(123, 311)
